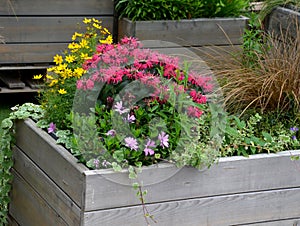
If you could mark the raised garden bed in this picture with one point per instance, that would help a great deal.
(51, 188)
(204, 35)
(284, 22)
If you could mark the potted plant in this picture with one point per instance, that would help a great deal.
(142, 111)
(187, 23)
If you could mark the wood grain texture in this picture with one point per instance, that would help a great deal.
(195, 32)
(234, 175)
(46, 188)
(56, 7)
(59, 165)
(42, 53)
(28, 208)
(45, 29)
(221, 210)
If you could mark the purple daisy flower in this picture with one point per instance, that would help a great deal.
(164, 139)
(131, 143)
(119, 108)
(148, 150)
(130, 118)
(111, 132)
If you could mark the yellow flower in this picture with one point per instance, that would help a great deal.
(53, 82)
(73, 45)
(76, 35)
(61, 67)
(70, 58)
(50, 69)
(68, 72)
(84, 56)
(49, 77)
(108, 40)
(79, 72)
(84, 43)
(105, 31)
(96, 21)
(37, 76)
(87, 21)
(62, 91)
(97, 26)
(57, 59)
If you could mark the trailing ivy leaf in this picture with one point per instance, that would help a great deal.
(7, 124)
(116, 167)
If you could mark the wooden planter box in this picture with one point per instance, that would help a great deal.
(205, 36)
(284, 21)
(51, 188)
(194, 32)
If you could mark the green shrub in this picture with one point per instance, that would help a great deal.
(180, 9)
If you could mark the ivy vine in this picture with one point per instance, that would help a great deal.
(7, 131)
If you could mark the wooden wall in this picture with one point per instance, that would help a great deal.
(34, 30)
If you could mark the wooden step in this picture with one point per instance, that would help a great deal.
(12, 82)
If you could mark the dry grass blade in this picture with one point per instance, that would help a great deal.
(272, 84)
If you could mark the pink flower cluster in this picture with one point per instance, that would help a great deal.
(126, 61)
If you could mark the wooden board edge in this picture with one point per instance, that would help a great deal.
(56, 198)
(236, 209)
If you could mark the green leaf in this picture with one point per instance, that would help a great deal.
(116, 167)
(7, 124)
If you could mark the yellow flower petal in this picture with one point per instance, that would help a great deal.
(62, 91)
(37, 76)
(70, 58)
(57, 59)
(87, 21)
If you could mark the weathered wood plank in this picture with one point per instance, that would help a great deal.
(56, 7)
(44, 29)
(211, 55)
(199, 32)
(283, 23)
(59, 165)
(24, 90)
(283, 222)
(221, 210)
(12, 81)
(12, 221)
(238, 175)
(30, 53)
(29, 208)
(46, 188)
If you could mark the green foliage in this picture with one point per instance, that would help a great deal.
(6, 160)
(253, 41)
(180, 9)
(259, 134)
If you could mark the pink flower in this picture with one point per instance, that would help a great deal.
(198, 97)
(148, 150)
(111, 132)
(89, 84)
(164, 139)
(194, 112)
(131, 143)
(79, 84)
(52, 127)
